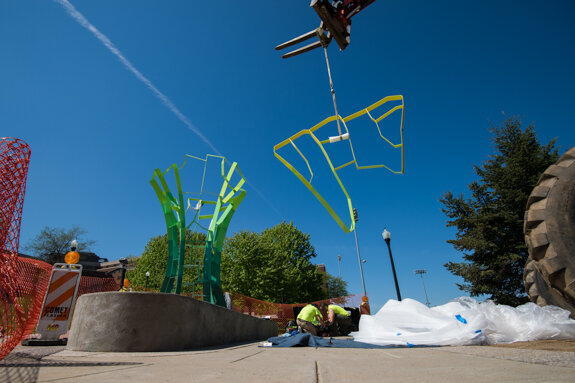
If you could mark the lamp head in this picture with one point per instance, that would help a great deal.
(74, 244)
(386, 235)
(147, 273)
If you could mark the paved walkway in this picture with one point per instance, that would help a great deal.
(251, 363)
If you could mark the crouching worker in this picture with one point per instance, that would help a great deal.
(339, 320)
(310, 319)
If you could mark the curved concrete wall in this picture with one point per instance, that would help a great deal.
(141, 321)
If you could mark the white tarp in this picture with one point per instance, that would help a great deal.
(462, 321)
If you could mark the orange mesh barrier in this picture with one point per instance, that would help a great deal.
(32, 277)
(14, 160)
(96, 285)
(283, 313)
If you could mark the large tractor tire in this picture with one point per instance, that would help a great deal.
(549, 227)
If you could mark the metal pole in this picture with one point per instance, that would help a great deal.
(358, 256)
(421, 272)
(425, 291)
(359, 260)
(387, 240)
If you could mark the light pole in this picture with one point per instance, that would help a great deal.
(147, 277)
(387, 237)
(339, 265)
(421, 272)
(355, 217)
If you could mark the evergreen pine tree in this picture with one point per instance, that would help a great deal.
(490, 223)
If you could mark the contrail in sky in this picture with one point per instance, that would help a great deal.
(112, 48)
(165, 100)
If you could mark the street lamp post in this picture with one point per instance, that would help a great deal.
(421, 272)
(339, 265)
(147, 277)
(387, 237)
(355, 217)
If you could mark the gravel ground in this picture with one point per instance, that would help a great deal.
(547, 345)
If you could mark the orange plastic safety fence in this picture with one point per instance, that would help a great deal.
(96, 285)
(32, 278)
(14, 160)
(283, 313)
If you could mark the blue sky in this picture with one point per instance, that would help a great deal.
(97, 130)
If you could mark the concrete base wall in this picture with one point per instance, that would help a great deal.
(141, 321)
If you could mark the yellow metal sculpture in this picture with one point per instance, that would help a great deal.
(313, 132)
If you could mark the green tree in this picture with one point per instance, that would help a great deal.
(336, 287)
(242, 253)
(154, 260)
(490, 223)
(274, 266)
(52, 243)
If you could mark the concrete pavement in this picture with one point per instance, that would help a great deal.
(251, 363)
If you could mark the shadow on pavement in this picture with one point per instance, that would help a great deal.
(23, 366)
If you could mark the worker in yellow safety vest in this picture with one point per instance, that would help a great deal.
(338, 319)
(310, 319)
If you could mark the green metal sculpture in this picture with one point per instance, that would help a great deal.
(224, 206)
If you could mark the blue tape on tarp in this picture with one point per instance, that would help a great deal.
(461, 319)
